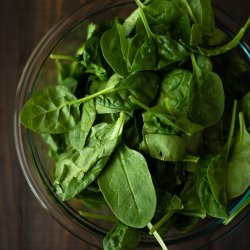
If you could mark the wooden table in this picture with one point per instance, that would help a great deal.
(24, 225)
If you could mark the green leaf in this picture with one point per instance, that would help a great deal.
(51, 111)
(238, 173)
(128, 188)
(164, 147)
(141, 53)
(174, 91)
(73, 174)
(121, 237)
(206, 97)
(141, 85)
(78, 135)
(114, 47)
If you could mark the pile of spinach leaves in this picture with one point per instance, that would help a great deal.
(150, 117)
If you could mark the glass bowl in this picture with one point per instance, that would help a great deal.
(32, 152)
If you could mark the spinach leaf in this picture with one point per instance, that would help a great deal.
(190, 200)
(200, 11)
(211, 179)
(168, 50)
(114, 47)
(206, 96)
(121, 237)
(74, 174)
(51, 111)
(174, 91)
(238, 173)
(68, 74)
(141, 53)
(173, 206)
(128, 188)
(54, 110)
(78, 134)
(141, 85)
(245, 108)
(164, 147)
(89, 56)
(207, 36)
(130, 22)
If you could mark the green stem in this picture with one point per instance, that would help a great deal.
(190, 12)
(158, 237)
(230, 45)
(63, 57)
(97, 216)
(242, 126)
(191, 158)
(144, 19)
(161, 222)
(231, 131)
(157, 114)
(195, 66)
(87, 98)
(237, 211)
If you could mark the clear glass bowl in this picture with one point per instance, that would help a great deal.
(64, 38)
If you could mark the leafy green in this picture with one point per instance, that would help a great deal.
(121, 237)
(238, 174)
(114, 47)
(206, 97)
(122, 183)
(78, 134)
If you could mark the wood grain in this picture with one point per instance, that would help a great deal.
(24, 225)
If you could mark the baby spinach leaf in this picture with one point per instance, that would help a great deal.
(91, 58)
(214, 206)
(174, 91)
(211, 179)
(78, 135)
(128, 188)
(204, 62)
(68, 74)
(174, 205)
(164, 147)
(114, 47)
(238, 173)
(168, 50)
(74, 174)
(245, 108)
(51, 111)
(207, 36)
(200, 11)
(141, 85)
(190, 200)
(121, 237)
(206, 97)
(141, 53)
(130, 22)
(54, 110)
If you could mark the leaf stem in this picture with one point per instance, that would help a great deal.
(63, 57)
(242, 125)
(161, 222)
(144, 19)
(237, 211)
(190, 12)
(230, 45)
(87, 98)
(158, 237)
(231, 131)
(191, 158)
(97, 216)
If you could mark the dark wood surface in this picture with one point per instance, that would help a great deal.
(23, 222)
